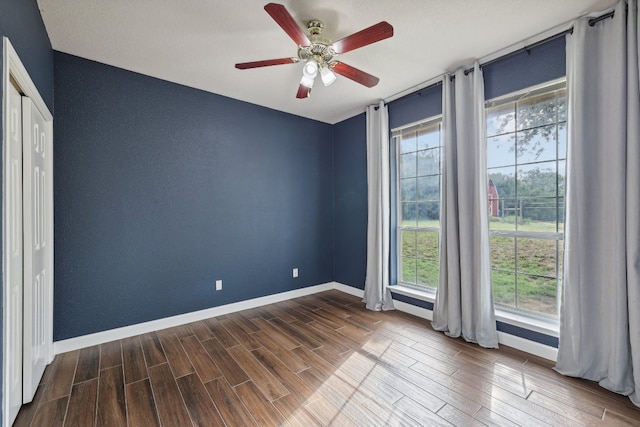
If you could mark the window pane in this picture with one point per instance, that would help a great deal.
(562, 166)
(536, 145)
(536, 180)
(562, 105)
(560, 270)
(408, 189)
(504, 180)
(562, 141)
(408, 271)
(537, 294)
(538, 214)
(560, 214)
(504, 203)
(493, 199)
(503, 253)
(408, 239)
(409, 217)
(537, 257)
(408, 143)
(504, 288)
(536, 111)
(508, 215)
(407, 165)
(429, 188)
(429, 162)
(428, 273)
(428, 214)
(429, 138)
(501, 119)
(501, 150)
(427, 245)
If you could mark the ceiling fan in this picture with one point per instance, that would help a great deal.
(318, 53)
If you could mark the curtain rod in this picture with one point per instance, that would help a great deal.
(431, 83)
(592, 22)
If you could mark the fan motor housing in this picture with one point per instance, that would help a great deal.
(317, 51)
(320, 49)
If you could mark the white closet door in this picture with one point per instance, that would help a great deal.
(14, 254)
(36, 181)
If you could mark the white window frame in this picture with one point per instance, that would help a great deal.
(521, 317)
(396, 134)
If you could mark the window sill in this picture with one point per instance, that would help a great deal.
(419, 294)
(546, 327)
(543, 326)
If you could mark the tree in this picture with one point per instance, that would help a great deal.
(535, 116)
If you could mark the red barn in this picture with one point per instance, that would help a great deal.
(492, 196)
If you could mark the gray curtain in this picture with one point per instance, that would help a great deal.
(600, 314)
(464, 299)
(376, 288)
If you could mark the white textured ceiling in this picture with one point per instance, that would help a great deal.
(197, 42)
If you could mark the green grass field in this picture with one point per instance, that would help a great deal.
(538, 261)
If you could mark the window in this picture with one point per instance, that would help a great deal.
(526, 151)
(418, 202)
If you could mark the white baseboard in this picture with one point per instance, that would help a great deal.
(413, 310)
(348, 289)
(531, 347)
(168, 322)
(528, 346)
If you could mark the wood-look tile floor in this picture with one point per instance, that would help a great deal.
(317, 360)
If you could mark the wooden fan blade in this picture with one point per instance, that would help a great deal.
(303, 92)
(280, 14)
(380, 31)
(354, 74)
(266, 63)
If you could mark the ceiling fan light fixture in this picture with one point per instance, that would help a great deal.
(327, 76)
(310, 69)
(309, 73)
(307, 81)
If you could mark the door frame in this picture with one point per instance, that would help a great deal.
(12, 68)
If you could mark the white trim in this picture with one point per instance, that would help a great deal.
(414, 293)
(537, 325)
(528, 346)
(522, 344)
(12, 64)
(414, 310)
(348, 290)
(12, 67)
(71, 344)
(181, 319)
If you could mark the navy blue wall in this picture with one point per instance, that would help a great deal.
(21, 22)
(350, 198)
(525, 69)
(417, 106)
(161, 189)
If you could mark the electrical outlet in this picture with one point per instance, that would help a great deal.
(218, 285)
(295, 272)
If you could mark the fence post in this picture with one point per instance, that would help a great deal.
(521, 211)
